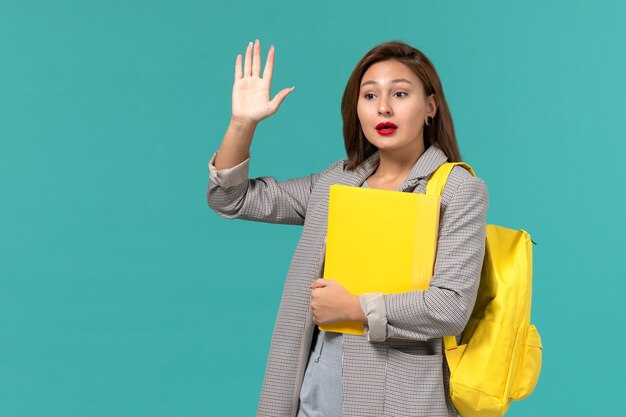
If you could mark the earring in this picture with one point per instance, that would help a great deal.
(429, 120)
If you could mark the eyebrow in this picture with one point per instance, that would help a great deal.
(397, 80)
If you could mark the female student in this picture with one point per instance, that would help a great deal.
(397, 131)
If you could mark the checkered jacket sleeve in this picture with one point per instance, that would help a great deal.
(233, 195)
(446, 306)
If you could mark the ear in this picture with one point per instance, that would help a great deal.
(431, 101)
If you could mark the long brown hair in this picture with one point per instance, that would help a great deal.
(440, 133)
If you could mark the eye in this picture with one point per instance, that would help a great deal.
(369, 96)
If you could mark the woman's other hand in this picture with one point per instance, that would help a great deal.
(332, 303)
(251, 93)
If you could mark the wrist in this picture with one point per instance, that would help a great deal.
(355, 312)
(242, 124)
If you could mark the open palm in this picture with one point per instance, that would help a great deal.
(251, 93)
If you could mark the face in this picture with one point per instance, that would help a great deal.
(391, 92)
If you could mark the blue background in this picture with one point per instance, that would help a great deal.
(123, 294)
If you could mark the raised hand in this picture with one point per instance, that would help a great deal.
(251, 93)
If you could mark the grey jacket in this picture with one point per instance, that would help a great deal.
(399, 369)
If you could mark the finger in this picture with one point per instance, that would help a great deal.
(319, 283)
(238, 73)
(269, 65)
(279, 98)
(247, 66)
(256, 61)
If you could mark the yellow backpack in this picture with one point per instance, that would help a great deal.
(499, 358)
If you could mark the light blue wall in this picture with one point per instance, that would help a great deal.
(123, 294)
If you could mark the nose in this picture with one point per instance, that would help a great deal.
(384, 108)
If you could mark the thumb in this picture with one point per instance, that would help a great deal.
(280, 97)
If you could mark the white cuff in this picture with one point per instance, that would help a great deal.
(373, 306)
(228, 177)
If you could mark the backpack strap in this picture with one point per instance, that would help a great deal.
(438, 179)
(435, 186)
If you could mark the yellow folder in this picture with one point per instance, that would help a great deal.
(379, 241)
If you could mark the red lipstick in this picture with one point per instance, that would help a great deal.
(386, 128)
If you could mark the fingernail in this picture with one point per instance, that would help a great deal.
(250, 44)
(256, 40)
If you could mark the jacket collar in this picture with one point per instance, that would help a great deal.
(427, 163)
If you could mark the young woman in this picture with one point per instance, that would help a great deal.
(397, 131)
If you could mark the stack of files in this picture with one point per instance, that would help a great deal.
(379, 241)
